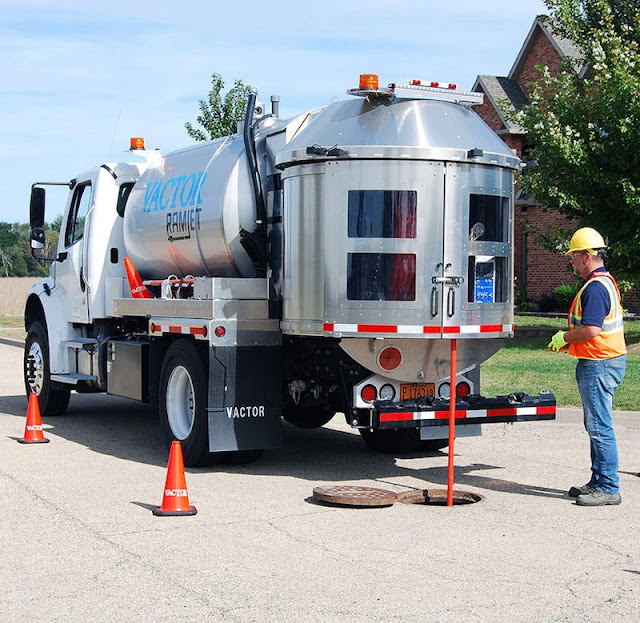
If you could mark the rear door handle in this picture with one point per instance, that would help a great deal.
(451, 302)
(434, 302)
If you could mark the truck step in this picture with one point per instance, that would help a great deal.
(80, 342)
(73, 377)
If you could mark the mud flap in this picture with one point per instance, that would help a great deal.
(245, 398)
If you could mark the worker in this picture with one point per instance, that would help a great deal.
(596, 338)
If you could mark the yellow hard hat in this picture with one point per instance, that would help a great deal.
(586, 239)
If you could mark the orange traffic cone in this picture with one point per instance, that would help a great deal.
(138, 289)
(33, 427)
(176, 498)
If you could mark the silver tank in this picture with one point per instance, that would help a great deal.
(452, 177)
(185, 214)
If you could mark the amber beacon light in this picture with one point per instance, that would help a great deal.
(369, 81)
(137, 142)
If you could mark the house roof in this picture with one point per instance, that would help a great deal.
(505, 93)
(506, 96)
(565, 47)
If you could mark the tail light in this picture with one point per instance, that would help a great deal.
(368, 393)
(463, 390)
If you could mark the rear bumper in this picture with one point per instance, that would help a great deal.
(473, 410)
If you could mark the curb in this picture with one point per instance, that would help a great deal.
(11, 342)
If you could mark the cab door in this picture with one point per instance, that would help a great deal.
(71, 269)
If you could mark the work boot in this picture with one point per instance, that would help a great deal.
(599, 498)
(574, 492)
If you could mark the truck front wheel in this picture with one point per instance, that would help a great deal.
(51, 400)
(182, 402)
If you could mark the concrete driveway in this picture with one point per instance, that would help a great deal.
(79, 541)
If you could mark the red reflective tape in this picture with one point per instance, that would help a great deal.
(327, 326)
(490, 328)
(444, 415)
(544, 410)
(377, 328)
(396, 417)
(431, 329)
(174, 329)
(451, 330)
(198, 331)
(500, 412)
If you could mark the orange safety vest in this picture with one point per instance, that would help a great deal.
(609, 343)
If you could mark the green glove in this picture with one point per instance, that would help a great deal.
(557, 342)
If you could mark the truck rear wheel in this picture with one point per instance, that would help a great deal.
(37, 378)
(400, 441)
(182, 403)
(308, 415)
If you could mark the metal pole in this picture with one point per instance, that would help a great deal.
(452, 421)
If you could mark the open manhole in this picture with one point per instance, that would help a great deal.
(347, 495)
(438, 497)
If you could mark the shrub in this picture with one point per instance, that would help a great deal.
(565, 294)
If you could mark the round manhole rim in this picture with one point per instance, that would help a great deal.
(438, 497)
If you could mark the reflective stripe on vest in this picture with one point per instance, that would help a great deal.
(609, 343)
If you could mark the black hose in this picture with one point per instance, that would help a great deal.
(250, 148)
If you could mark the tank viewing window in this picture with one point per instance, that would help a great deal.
(488, 218)
(381, 277)
(488, 280)
(382, 213)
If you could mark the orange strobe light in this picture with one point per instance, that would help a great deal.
(137, 142)
(369, 81)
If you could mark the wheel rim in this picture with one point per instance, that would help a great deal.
(35, 368)
(180, 402)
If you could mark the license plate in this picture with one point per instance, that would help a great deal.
(414, 391)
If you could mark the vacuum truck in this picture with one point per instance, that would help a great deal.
(293, 270)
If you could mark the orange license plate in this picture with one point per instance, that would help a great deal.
(414, 391)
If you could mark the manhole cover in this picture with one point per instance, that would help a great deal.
(438, 497)
(354, 496)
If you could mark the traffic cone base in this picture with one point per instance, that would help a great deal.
(176, 499)
(33, 427)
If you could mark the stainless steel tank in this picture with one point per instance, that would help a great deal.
(185, 214)
(398, 218)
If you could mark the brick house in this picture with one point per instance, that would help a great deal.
(537, 271)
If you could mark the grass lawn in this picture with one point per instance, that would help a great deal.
(525, 364)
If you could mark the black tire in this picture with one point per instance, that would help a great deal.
(308, 415)
(400, 441)
(433, 445)
(51, 399)
(242, 457)
(182, 403)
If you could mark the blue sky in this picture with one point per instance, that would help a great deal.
(77, 79)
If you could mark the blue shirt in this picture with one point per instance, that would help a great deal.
(596, 303)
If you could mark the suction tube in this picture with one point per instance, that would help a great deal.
(254, 243)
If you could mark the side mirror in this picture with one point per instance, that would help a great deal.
(36, 208)
(36, 217)
(37, 238)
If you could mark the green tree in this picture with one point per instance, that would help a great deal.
(218, 116)
(584, 130)
(15, 252)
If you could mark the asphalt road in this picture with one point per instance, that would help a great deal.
(80, 543)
